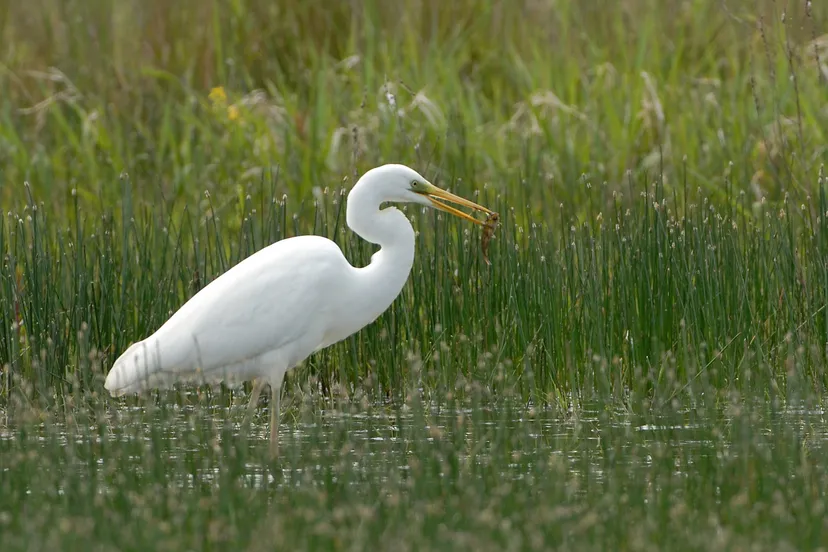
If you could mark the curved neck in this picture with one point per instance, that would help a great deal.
(383, 279)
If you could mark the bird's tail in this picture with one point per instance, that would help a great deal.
(136, 370)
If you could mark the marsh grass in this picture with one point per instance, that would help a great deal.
(659, 166)
(542, 91)
(641, 303)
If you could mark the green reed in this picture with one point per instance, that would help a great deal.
(646, 299)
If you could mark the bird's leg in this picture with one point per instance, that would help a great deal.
(275, 400)
(258, 385)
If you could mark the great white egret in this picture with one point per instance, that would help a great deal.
(275, 308)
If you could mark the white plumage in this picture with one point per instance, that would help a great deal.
(275, 308)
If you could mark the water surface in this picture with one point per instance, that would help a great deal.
(455, 477)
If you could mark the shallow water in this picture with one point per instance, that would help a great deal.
(456, 477)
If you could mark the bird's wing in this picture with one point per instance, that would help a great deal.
(275, 299)
(267, 304)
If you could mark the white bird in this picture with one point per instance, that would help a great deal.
(275, 308)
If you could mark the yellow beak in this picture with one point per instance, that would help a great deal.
(438, 196)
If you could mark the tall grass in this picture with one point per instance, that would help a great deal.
(655, 300)
(658, 165)
(545, 91)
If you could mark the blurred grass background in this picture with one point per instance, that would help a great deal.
(492, 90)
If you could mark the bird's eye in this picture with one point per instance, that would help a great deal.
(415, 184)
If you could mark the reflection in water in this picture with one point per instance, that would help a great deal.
(200, 445)
(595, 478)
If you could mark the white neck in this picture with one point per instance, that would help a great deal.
(381, 281)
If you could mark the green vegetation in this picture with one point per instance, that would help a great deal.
(639, 304)
(501, 92)
(662, 187)
(641, 367)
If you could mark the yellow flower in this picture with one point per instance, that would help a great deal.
(218, 95)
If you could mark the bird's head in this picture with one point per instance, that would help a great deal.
(405, 185)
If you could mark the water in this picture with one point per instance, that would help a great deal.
(465, 476)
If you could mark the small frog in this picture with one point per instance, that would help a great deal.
(488, 229)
